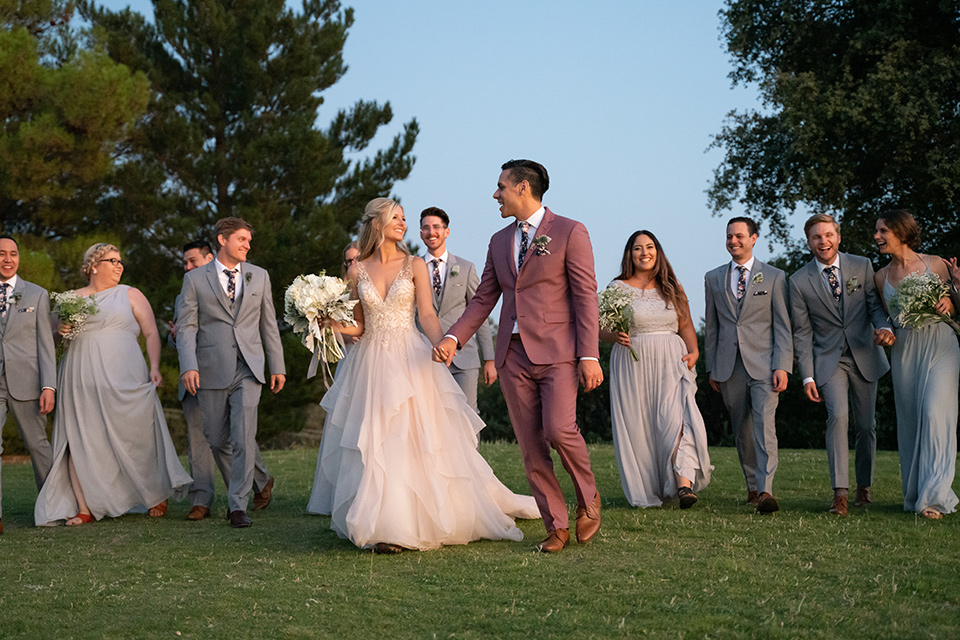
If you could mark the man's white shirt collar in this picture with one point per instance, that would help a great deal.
(12, 282)
(748, 264)
(823, 267)
(535, 220)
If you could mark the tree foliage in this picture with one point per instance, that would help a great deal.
(63, 112)
(231, 130)
(861, 100)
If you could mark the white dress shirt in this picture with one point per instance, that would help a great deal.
(224, 280)
(735, 274)
(444, 259)
(534, 222)
(10, 285)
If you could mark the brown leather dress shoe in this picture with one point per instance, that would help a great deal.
(839, 506)
(1, 526)
(198, 512)
(863, 497)
(588, 521)
(767, 503)
(239, 520)
(753, 497)
(556, 540)
(262, 498)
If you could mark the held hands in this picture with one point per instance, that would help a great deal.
(46, 401)
(945, 306)
(810, 390)
(591, 375)
(444, 351)
(884, 337)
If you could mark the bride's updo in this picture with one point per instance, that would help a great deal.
(375, 216)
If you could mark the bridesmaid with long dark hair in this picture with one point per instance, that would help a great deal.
(658, 433)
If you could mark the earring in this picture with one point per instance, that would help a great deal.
(94, 272)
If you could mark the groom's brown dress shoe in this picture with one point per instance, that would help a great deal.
(588, 520)
(198, 512)
(767, 504)
(1, 526)
(262, 498)
(839, 506)
(753, 497)
(239, 520)
(863, 497)
(556, 540)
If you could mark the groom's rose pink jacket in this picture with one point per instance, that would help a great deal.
(553, 301)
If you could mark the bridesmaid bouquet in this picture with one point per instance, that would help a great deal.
(309, 300)
(72, 310)
(917, 296)
(616, 312)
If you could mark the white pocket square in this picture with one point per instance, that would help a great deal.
(760, 293)
(27, 310)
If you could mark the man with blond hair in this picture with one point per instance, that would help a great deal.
(226, 335)
(838, 326)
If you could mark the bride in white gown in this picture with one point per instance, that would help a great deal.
(398, 465)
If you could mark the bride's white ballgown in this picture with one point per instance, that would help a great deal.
(398, 462)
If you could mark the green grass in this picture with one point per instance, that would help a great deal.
(715, 571)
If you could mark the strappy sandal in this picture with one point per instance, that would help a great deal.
(931, 514)
(687, 497)
(85, 518)
(158, 511)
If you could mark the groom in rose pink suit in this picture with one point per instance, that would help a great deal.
(542, 266)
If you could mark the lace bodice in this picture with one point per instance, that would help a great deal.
(650, 312)
(390, 317)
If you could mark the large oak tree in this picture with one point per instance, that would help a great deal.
(861, 112)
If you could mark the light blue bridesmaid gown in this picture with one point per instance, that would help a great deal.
(925, 365)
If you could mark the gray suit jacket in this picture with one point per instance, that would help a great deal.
(820, 325)
(26, 343)
(758, 327)
(210, 333)
(458, 289)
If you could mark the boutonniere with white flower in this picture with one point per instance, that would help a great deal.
(540, 245)
(455, 270)
(757, 279)
(16, 297)
(852, 285)
(247, 277)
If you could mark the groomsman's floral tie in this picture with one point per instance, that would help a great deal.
(834, 282)
(231, 283)
(3, 300)
(741, 281)
(524, 242)
(436, 276)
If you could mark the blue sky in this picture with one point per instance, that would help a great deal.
(618, 99)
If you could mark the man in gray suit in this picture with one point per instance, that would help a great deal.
(226, 336)
(28, 368)
(196, 254)
(839, 324)
(455, 281)
(749, 352)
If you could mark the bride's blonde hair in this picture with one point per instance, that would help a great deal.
(375, 217)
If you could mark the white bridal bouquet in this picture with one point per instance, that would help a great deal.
(72, 311)
(616, 312)
(916, 298)
(309, 300)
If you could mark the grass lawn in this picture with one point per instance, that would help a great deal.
(715, 571)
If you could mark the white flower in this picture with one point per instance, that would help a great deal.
(310, 299)
(757, 279)
(455, 270)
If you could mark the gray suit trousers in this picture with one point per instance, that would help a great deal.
(230, 426)
(845, 390)
(33, 431)
(468, 379)
(202, 461)
(753, 406)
